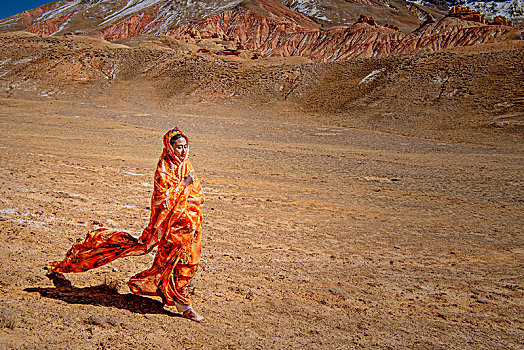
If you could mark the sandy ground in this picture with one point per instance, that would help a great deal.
(314, 237)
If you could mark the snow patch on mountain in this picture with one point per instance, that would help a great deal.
(330, 10)
(131, 7)
(67, 8)
(372, 76)
(419, 2)
(513, 9)
(62, 26)
(173, 13)
(310, 8)
(412, 6)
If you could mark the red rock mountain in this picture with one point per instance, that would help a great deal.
(271, 28)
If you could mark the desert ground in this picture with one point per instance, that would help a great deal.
(316, 235)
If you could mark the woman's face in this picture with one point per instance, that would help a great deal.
(180, 147)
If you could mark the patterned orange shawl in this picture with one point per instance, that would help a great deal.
(175, 228)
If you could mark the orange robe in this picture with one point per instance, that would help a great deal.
(175, 228)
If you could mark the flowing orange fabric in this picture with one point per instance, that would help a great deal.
(175, 228)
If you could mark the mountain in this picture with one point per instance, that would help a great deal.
(315, 29)
(92, 15)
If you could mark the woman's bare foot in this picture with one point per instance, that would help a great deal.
(192, 315)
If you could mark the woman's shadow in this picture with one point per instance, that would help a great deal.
(101, 295)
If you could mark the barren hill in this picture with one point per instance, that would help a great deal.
(454, 94)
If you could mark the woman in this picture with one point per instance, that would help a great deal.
(175, 228)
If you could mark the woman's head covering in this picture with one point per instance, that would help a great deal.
(168, 148)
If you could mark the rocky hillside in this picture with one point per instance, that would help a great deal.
(429, 94)
(270, 28)
(363, 39)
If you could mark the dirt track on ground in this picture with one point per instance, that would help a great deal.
(314, 237)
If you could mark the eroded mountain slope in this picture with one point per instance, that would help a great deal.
(268, 28)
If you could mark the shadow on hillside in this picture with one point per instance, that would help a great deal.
(101, 295)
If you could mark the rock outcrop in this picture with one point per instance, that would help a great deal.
(133, 26)
(502, 21)
(50, 26)
(365, 19)
(465, 13)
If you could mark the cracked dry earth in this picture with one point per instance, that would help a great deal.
(314, 237)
